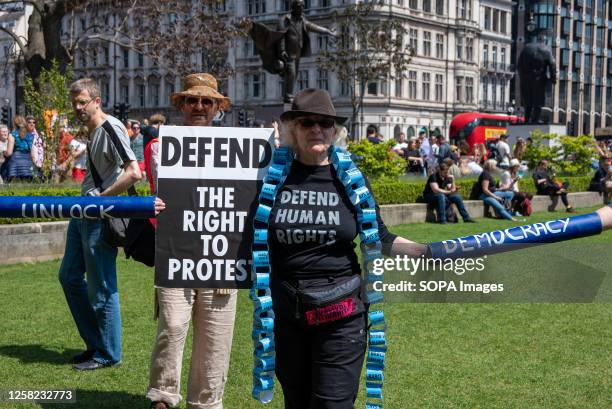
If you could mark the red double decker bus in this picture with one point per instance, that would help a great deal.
(475, 127)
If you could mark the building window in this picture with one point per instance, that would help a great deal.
(458, 89)
(485, 54)
(169, 88)
(323, 42)
(494, 91)
(502, 56)
(496, 20)
(440, 46)
(302, 79)
(469, 90)
(399, 85)
(105, 91)
(494, 57)
(426, 84)
(126, 58)
(439, 87)
(485, 90)
(373, 88)
(469, 49)
(256, 7)
(322, 82)
(427, 6)
(440, 7)
(106, 55)
(83, 58)
(413, 4)
(502, 92)
(257, 85)
(412, 84)
(503, 23)
(413, 39)
(459, 48)
(94, 56)
(124, 91)
(487, 18)
(141, 95)
(154, 94)
(427, 43)
(344, 88)
(324, 3)
(140, 60)
(464, 9)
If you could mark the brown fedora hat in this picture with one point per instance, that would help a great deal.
(200, 85)
(312, 101)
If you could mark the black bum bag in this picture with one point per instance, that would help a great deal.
(318, 301)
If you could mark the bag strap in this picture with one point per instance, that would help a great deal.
(122, 153)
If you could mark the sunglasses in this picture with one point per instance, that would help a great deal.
(194, 101)
(324, 123)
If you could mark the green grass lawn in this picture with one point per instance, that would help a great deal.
(442, 355)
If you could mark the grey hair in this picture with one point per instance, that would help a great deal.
(86, 84)
(3, 126)
(287, 134)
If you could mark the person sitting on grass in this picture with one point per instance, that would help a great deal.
(545, 185)
(485, 191)
(439, 189)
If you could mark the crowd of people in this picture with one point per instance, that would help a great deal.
(442, 163)
(23, 150)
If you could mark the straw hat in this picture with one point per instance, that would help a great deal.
(200, 85)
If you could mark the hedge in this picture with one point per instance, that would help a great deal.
(386, 191)
(399, 191)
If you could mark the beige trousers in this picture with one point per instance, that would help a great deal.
(213, 328)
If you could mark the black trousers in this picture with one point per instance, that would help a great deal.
(553, 191)
(320, 367)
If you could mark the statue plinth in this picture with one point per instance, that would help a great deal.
(525, 130)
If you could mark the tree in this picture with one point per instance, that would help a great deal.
(377, 160)
(184, 36)
(51, 106)
(43, 44)
(571, 155)
(370, 48)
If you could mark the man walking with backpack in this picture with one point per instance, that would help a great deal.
(112, 169)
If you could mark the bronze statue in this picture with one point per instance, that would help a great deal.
(536, 67)
(282, 49)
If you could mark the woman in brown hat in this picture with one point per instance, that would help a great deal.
(320, 346)
(212, 311)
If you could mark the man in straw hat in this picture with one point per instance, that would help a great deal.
(213, 310)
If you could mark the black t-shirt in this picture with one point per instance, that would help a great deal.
(413, 166)
(485, 176)
(443, 183)
(541, 174)
(313, 225)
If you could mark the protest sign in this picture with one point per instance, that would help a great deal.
(208, 177)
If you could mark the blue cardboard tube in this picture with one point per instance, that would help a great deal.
(514, 238)
(77, 207)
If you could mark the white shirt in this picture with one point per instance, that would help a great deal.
(80, 161)
(504, 150)
(506, 178)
